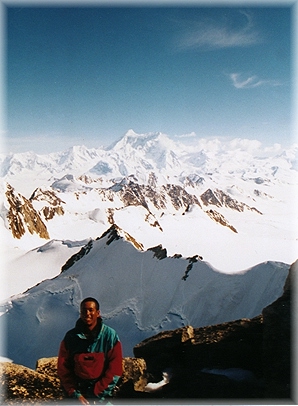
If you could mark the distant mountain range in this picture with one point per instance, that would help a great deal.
(231, 202)
(139, 155)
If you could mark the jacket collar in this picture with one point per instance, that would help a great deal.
(82, 329)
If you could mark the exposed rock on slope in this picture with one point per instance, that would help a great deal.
(219, 198)
(22, 216)
(53, 204)
(114, 233)
(219, 218)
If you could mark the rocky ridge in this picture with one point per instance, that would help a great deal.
(32, 215)
(22, 216)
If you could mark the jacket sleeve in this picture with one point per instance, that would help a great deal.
(65, 372)
(110, 377)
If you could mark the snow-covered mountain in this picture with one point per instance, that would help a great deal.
(232, 202)
(207, 161)
(141, 293)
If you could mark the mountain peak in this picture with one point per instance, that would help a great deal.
(131, 133)
(115, 233)
(143, 140)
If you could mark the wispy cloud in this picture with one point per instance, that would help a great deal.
(241, 81)
(215, 35)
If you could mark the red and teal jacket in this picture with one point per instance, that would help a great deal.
(90, 364)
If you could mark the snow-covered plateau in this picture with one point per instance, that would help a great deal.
(223, 215)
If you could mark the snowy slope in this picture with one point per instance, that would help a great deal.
(29, 268)
(141, 293)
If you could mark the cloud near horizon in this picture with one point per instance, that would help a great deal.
(44, 145)
(189, 135)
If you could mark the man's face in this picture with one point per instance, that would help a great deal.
(89, 314)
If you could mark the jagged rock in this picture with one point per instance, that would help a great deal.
(113, 233)
(219, 198)
(132, 195)
(22, 216)
(234, 344)
(209, 198)
(159, 251)
(150, 219)
(180, 198)
(189, 266)
(76, 257)
(219, 218)
(152, 180)
(53, 203)
(192, 180)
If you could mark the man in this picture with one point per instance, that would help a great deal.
(90, 356)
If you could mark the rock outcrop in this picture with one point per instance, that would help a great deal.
(222, 361)
(24, 385)
(221, 199)
(52, 203)
(22, 216)
(278, 340)
(32, 215)
(21, 384)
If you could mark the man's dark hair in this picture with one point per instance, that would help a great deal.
(90, 299)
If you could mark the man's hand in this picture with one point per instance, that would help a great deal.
(83, 400)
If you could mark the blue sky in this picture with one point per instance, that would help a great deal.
(86, 75)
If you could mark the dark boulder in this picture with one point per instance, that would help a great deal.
(278, 351)
(221, 361)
